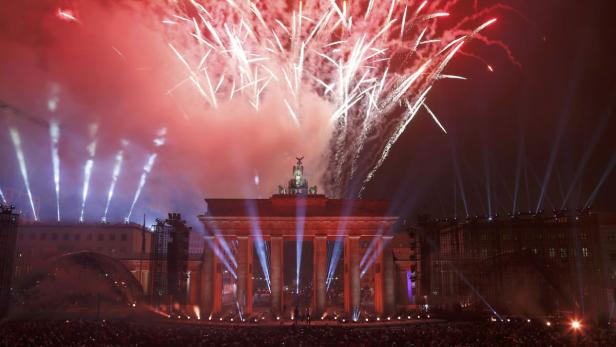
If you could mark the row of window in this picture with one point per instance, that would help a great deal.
(539, 236)
(551, 252)
(75, 237)
(61, 249)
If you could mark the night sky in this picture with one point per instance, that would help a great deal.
(555, 102)
(537, 117)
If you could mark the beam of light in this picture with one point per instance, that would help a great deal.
(117, 168)
(54, 134)
(87, 170)
(147, 168)
(606, 174)
(582, 165)
(239, 310)
(488, 182)
(456, 166)
(518, 175)
(213, 229)
(300, 219)
(16, 139)
(259, 243)
(221, 257)
(372, 252)
(339, 242)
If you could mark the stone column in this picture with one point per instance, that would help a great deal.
(249, 280)
(206, 278)
(351, 274)
(320, 274)
(389, 289)
(276, 282)
(244, 274)
(217, 281)
(378, 277)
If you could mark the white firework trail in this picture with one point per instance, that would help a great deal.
(2, 196)
(16, 139)
(117, 168)
(373, 61)
(87, 169)
(54, 134)
(147, 168)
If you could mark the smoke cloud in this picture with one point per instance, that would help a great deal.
(109, 63)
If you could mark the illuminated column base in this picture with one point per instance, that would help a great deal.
(389, 276)
(320, 274)
(276, 273)
(244, 274)
(378, 278)
(351, 274)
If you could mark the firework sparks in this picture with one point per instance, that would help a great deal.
(147, 168)
(54, 134)
(66, 15)
(341, 53)
(87, 169)
(2, 197)
(117, 168)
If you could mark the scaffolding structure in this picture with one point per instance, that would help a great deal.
(169, 261)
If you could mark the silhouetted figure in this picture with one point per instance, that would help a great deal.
(296, 315)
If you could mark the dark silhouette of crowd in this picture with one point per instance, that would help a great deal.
(121, 333)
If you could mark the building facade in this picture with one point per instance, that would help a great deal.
(530, 264)
(248, 244)
(39, 242)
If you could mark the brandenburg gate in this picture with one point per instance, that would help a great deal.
(246, 222)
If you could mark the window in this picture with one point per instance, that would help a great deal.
(43, 236)
(584, 252)
(123, 237)
(484, 252)
(54, 236)
(77, 237)
(101, 237)
(65, 237)
(32, 236)
(89, 237)
(563, 252)
(552, 252)
(584, 236)
(561, 235)
(111, 237)
(535, 251)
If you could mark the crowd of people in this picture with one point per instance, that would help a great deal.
(120, 333)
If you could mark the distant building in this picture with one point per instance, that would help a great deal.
(38, 242)
(8, 236)
(531, 264)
